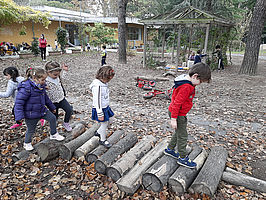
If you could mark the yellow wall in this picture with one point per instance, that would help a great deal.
(10, 33)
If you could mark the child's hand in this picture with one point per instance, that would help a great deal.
(173, 123)
(64, 67)
(101, 118)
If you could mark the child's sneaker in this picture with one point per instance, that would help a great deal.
(97, 134)
(67, 127)
(105, 143)
(28, 146)
(186, 162)
(15, 126)
(42, 122)
(172, 153)
(57, 137)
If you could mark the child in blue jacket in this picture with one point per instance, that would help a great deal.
(32, 104)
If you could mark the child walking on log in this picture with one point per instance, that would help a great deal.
(56, 91)
(12, 75)
(181, 103)
(32, 104)
(101, 110)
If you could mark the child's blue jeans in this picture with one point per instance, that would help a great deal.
(32, 123)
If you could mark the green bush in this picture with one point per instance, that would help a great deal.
(61, 34)
(35, 46)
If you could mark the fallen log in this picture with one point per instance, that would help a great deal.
(154, 78)
(236, 178)
(183, 176)
(158, 174)
(66, 150)
(129, 159)
(119, 148)
(48, 150)
(87, 146)
(132, 180)
(43, 147)
(209, 176)
(92, 156)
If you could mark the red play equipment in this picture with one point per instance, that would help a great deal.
(145, 84)
(167, 94)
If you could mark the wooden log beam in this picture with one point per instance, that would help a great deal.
(129, 159)
(92, 156)
(132, 180)
(155, 78)
(158, 174)
(183, 176)
(119, 148)
(209, 176)
(236, 178)
(87, 147)
(66, 150)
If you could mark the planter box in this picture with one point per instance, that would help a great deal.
(76, 50)
(26, 55)
(55, 53)
(140, 50)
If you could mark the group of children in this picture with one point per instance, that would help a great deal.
(41, 94)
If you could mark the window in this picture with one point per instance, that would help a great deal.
(134, 33)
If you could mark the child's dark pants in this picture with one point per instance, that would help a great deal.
(66, 107)
(180, 136)
(103, 61)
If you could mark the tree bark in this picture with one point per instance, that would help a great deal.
(236, 178)
(67, 149)
(250, 61)
(129, 159)
(132, 180)
(122, 31)
(96, 153)
(119, 148)
(208, 179)
(158, 174)
(183, 176)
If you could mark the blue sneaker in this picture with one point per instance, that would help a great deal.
(186, 162)
(172, 153)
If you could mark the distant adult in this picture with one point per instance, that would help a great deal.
(220, 57)
(42, 45)
(198, 57)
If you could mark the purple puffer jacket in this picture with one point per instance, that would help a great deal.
(31, 101)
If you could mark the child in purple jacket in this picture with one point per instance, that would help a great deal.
(31, 104)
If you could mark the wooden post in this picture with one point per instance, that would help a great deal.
(120, 167)
(236, 178)
(145, 45)
(132, 180)
(190, 39)
(119, 148)
(211, 172)
(66, 150)
(206, 40)
(158, 174)
(183, 176)
(173, 48)
(163, 43)
(178, 47)
(96, 153)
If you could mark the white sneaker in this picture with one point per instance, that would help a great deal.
(57, 137)
(67, 127)
(28, 146)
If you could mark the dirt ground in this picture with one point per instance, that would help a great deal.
(229, 112)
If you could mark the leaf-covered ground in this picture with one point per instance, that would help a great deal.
(229, 112)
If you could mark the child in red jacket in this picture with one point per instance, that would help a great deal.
(181, 103)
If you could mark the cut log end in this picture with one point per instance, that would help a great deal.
(100, 167)
(65, 152)
(151, 182)
(79, 153)
(200, 189)
(113, 173)
(91, 158)
(42, 151)
(176, 187)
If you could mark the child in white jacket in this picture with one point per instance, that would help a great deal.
(101, 110)
(12, 75)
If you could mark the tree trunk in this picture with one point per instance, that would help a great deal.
(158, 174)
(129, 159)
(67, 149)
(96, 153)
(132, 180)
(183, 176)
(211, 172)
(236, 178)
(250, 61)
(122, 29)
(119, 148)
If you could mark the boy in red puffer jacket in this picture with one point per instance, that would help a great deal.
(181, 103)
